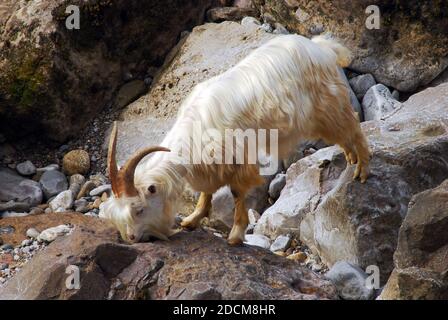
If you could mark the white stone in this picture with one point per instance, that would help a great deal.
(50, 234)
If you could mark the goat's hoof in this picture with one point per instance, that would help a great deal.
(189, 225)
(235, 241)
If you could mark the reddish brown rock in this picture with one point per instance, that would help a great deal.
(193, 265)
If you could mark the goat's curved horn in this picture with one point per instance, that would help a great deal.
(128, 170)
(111, 160)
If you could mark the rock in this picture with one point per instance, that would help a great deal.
(98, 179)
(129, 92)
(258, 240)
(266, 27)
(281, 243)
(76, 162)
(7, 247)
(85, 189)
(249, 21)
(253, 215)
(32, 233)
(146, 270)
(208, 50)
(350, 281)
(26, 168)
(36, 54)
(223, 206)
(81, 205)
(298, 256)
(50, 234)
(10, 214)
(276, 185)
(18, 189)
(99, 190)
(37, 210)
(62, 202)
(378, 103)
(221, 14)
(419, 30)
(341, 219)
(353, 99)
(361, 84)
(280, 29)
(76, 183)
(53, 182)
(14, 206)
(421, 256)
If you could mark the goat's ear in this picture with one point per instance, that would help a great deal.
(152, 189)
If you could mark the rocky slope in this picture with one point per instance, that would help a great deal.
(53, 79)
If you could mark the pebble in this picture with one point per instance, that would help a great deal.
(50, 234)
(76, 182)
(37, 210)
(76, 162)
(32, 233)
(86, 188)
(7, 247)
(26, 168)
(14, 206)
(81, 205)
(247, 21)
(298, 256)
(253, 215)
(266, 27)
(4, 266)
(281, 243)
(361, 84)
(26, 242)
(62, 202)
(258, 240)
(53, 182)
(99, 190)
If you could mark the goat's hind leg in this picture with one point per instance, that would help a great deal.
(240, 220)
(202, 210)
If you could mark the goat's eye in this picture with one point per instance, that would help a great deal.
(152, 189)
(139, 212)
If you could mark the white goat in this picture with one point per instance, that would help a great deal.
(291, 84)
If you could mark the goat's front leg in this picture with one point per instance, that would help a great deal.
(240, 220)
(202, 210)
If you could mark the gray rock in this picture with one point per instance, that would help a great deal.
(32, 233)
(258, 240)
(14, 206)
(353, 99)
(50, 234)
(81, 205)
(7, 247)
(281, 243)
(11, 214)
(361, 84)
(17, 188)
(99, 190)
(76, 182)
(396, 95)
(267, 27)
(53, 182)
(280, 29)
(350, 281)
(276, 185)
(62, 202)
(248, 21)
(4, 266)
(378, 103)
(50, 167)
(26, 168)
(223, 206)
(129, 92)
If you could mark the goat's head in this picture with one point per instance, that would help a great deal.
(137, 211)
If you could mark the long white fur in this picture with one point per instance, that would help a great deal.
(268, 89)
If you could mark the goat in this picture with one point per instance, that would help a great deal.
(291, 83)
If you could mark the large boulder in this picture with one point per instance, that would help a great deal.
(421, 259)
(408, 50)
(52, 79)
(193, 265)
(342, 219)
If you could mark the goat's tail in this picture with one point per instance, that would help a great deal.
(343, 55)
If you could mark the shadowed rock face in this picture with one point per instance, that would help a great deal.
(421, 259)
(409, 50)
(53, 79)
(193, 265)
(342, 219)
